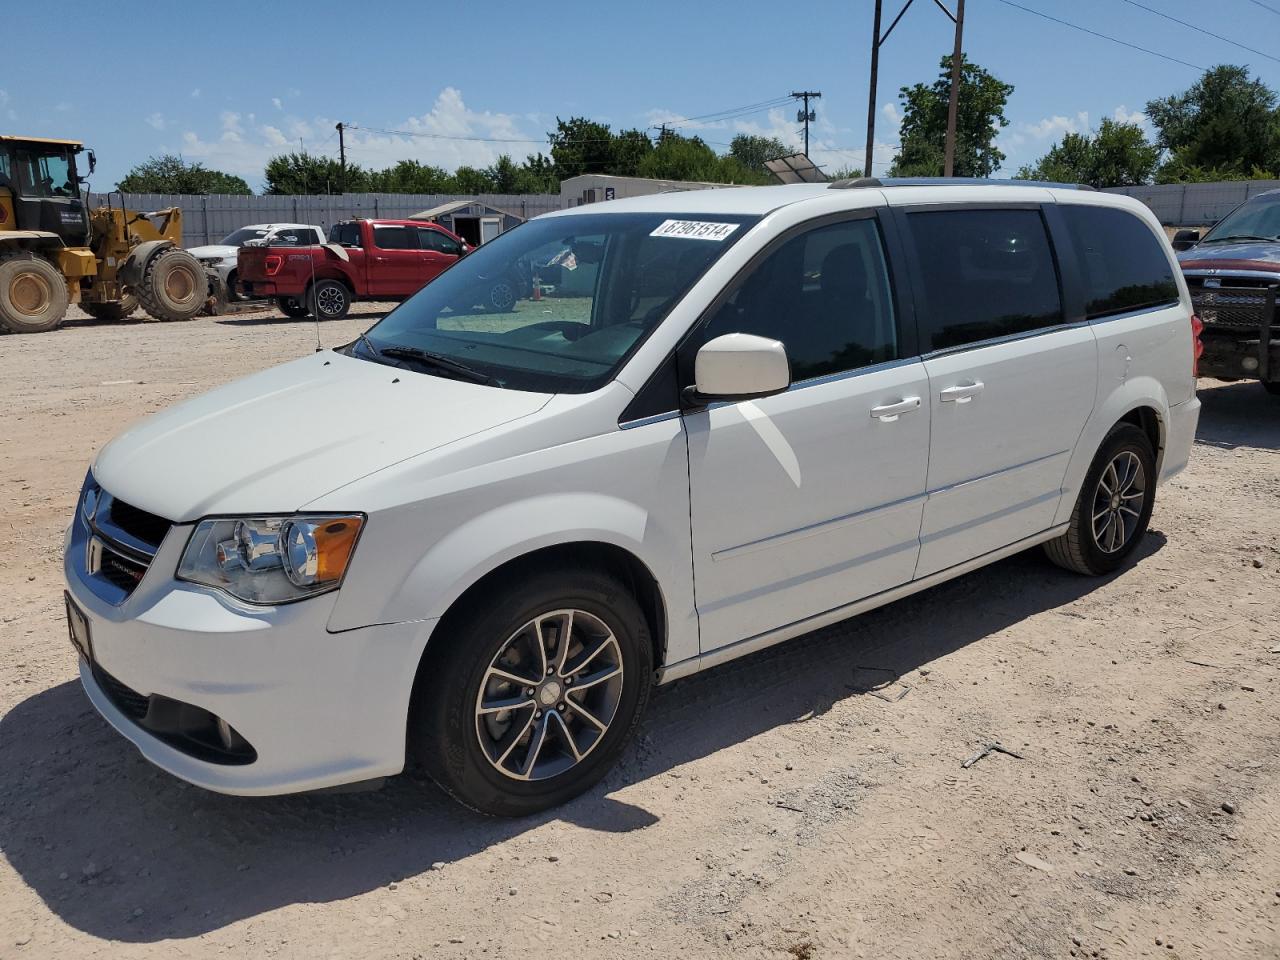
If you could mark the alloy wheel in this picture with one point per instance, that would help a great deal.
(1118, 502)
(549, 695)
(331, 301)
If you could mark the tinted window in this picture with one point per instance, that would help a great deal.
(440, 242)
(295, 235)
(345, 234)
(985, 274)
(1123, 263)
(394, 238)
(239, 237)
(824, 294)
(45, 175)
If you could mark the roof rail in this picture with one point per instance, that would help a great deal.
(857, 182)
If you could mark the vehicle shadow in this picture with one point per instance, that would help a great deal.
(1240, 414)
(234, 321)
(125, 852)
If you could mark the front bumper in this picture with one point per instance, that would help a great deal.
(319, 708)
(1232, 356)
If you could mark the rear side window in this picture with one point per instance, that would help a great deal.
(1123, 264)
(985, 274)
(394, 238)
(345, 234)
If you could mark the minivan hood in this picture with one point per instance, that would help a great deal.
(276, 440)
(1265, 253)
(219, 250)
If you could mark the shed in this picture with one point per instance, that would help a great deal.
(474, 221)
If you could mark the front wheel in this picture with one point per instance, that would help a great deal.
(1114, 506)
(528, 699)
(174, 286)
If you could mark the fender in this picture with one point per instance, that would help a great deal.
(1142, 391)
(45, 235)
(337, 250)
(135, 265)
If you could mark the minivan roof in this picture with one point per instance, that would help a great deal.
(758, 201)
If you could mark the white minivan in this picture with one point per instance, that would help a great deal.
(714, 421)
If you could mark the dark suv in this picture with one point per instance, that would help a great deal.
(1234, 276)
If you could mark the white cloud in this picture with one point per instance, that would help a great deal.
(890, 111)
(62, 106)
(4, 98)
(242, 146)
(195, 94)
(156, 121)
(277, 103)
(1122, 114)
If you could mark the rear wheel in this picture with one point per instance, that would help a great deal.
(174, 286)
(113, 311)
(1114, 506)
(33, 294)
(292, 307)
(528, 699)
(329, 300)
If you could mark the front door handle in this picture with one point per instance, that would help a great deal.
(961, 392)
(889, 412)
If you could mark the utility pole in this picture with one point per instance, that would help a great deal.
(877, 41)
(342, 158)
(806, 114)
(948, 165)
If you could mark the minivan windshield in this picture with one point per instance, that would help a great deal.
(556, 304)
(1257, 219)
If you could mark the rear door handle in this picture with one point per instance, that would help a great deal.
(961, 392)
(889, 412)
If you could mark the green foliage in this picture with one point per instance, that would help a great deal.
(1226, 126)
(311, 174)
(172, 174)
(579, 146)
(979, 116)
(408, 176)
(1118, 155)
(752, 151)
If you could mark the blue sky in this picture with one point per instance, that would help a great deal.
(236, 82)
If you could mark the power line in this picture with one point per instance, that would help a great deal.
(732, 112)
(1103, 36)
(1207, 33)
(1265, 7)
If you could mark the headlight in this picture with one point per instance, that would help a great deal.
(271, 559)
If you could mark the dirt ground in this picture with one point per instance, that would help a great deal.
(807, 802)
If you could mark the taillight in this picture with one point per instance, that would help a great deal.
(1197, 346)
(273, 263)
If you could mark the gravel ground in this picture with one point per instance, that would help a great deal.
(807, 802)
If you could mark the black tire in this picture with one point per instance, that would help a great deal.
(113, 311)
(33, 294)
(329, 300)
(174, 286)
(1083, 548)
(234, 295)
(1272, 387)
(446, 732)
(292, 307)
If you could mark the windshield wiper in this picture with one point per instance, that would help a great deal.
(1238, 236)
(439, 362)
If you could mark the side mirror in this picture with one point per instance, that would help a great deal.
(93, 162)
(738, 366)
(1185, 239)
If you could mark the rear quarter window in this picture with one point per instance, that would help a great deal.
(1123, 264)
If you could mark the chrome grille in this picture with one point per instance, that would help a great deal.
(118, 540)
(1237, 302)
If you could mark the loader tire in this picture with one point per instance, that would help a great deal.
(174, 286)
(113, 311)
(33, 294)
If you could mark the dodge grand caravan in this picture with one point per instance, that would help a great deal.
(479, 538)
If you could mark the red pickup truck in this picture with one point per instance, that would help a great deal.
(363, 260)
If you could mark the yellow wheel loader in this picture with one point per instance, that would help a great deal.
(55, 251)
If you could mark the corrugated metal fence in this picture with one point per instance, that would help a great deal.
(1196, 204)
(208, 219)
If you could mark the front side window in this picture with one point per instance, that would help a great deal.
(985, 274)
(430, 239)
(47, 175)
(239, 238)
(825, 294)
(1124, 265)
(603, 283)
(394, 238)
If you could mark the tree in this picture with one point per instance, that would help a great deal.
(980, 115)
(627, 152)
(307, 173)
(1118, 155)
(579, 146)
(1227, 125)
(752, 151)
(676, 157)
(409, 176)
(171, 174)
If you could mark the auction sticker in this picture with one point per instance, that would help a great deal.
(694, 229)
